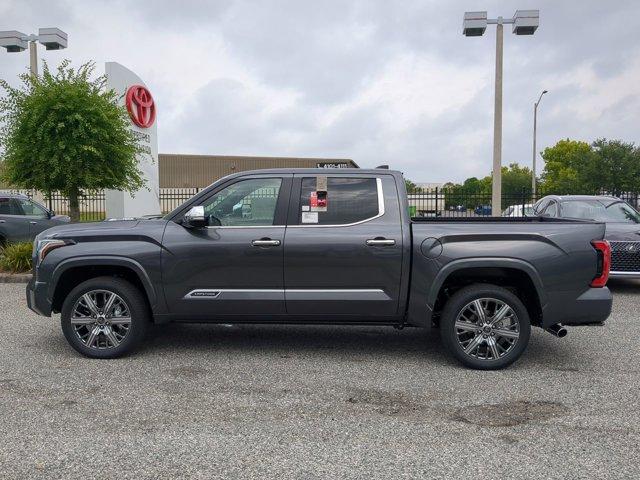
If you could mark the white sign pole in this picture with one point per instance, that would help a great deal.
(145, 201)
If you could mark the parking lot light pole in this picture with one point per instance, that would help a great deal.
(525, 22)
(51, 38)
(535, 126)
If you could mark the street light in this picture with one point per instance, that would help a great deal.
(525, 22)
(535, 124)
(51, 38)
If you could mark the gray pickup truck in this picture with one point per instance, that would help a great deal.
(313, 246)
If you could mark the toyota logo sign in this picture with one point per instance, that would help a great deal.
(140, 105)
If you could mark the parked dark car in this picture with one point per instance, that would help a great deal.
(622, 225)
(21, 219)
(483, 210)
(260, 247)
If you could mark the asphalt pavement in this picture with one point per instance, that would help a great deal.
(206, 401)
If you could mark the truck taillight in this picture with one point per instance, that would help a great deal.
(604, 262)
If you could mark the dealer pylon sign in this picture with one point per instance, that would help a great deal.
(136, 97)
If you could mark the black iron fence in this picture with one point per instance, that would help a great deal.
(172, 198)
(459, 202)
(422, 203)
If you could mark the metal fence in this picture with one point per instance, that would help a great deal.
(172, 198)
(453, 202)
(459, 202)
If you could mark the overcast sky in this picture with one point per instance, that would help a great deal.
(376, 81)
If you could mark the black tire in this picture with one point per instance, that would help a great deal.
(450, 333)
(138, 312)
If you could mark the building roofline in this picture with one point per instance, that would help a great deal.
(262, 157)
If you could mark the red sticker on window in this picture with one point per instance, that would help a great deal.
(313, 199)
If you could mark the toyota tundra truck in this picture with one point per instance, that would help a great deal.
(316, 246)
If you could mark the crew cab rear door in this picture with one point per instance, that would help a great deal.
(235, 264)
(343, 249)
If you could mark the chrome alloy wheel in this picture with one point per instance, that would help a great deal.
(487, 329)
(101, 319)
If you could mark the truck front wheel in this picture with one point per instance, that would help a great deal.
(485, 326)
(104, 317)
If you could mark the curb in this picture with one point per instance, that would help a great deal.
(15, 277)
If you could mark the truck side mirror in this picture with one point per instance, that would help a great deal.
(194, 218)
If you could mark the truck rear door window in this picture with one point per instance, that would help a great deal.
(348, 200)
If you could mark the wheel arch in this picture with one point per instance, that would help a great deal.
(70, 273)
(511, 273)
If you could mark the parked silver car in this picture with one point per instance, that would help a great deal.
(21, 219)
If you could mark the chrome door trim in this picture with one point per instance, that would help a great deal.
(235, 294)
(298, 294)
(246, 226)
(347, 294)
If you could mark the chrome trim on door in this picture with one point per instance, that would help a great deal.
(235, 294)
(357, 294)
(360, 294)
(380, 212)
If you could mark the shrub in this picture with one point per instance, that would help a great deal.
(16, 257)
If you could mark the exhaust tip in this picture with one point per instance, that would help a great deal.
(557, 330)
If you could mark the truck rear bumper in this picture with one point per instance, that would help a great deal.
(37, 299)
(593, 306)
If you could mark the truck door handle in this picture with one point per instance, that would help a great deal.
(380, 242)
(33, 223)
(265, 242)
(3, 221)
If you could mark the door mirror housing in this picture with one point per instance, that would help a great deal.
(195, 218)
(51, 214)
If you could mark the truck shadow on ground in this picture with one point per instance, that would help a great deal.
(354, 343)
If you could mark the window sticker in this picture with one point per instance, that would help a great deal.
(309, 217)
(318, 201)
(305, 208)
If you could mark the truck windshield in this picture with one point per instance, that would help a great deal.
(595, 210)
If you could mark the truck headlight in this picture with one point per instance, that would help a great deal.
(41, 248)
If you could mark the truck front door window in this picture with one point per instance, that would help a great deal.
(245, 203)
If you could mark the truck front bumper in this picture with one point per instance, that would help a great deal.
(37, 297)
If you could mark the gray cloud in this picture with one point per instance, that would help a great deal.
(376, 81)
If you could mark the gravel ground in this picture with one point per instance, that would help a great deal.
(317, 402)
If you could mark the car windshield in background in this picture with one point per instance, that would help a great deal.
(595, 210)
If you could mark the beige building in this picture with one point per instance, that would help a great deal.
(186, 171)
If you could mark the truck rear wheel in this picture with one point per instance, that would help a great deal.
(485, 326)
(104, 317)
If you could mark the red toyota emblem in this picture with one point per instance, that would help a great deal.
(140, 105)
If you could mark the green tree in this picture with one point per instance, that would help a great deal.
(577, 167)
(516, 179)
(65, 131)
(565, 165)
(411, 187)
(614, 167)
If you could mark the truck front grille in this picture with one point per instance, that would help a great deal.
(625, 256)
